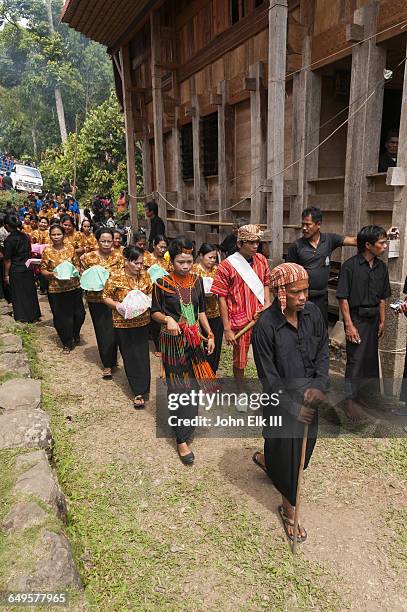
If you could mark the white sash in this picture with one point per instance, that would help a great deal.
(249, 276)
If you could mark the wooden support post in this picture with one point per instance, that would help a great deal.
(177, 167)
(156, 81)
(307, 87)
(363, 141)
(224, 150)
(258, 141)
(130, 136)
(394, 341)
(199, 180)
(278, 14)
(146, 151)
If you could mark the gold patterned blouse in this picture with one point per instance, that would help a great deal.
(89, 242)
(211, 301)
(118, 285)
(27, 229)
(119, 249)
(112, 263)
(76, 239)
(150, 259)
(40, 237)
(51, 258)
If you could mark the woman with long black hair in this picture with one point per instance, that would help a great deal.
(101, 314)
(132, 333)
(65, 296)
(23, 293)
(179, 307)
(206, 268)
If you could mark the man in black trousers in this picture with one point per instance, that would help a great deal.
(362, 290)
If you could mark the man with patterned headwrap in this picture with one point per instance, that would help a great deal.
(242, 284)
(290, 345)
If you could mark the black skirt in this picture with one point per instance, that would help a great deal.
(68, 315)
(24, 294)
(106, 337)
(134, 349)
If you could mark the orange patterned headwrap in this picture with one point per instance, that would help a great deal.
(283, 275)
(249, 233)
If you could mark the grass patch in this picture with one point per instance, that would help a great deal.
(396, 520)
(226, 364)
(153, 543)
(28, 334)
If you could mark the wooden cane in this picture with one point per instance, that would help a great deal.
(245, 329)
(299, 483)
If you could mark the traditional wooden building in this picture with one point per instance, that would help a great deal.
(260, 108)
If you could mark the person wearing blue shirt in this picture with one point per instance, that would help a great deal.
(38, 204)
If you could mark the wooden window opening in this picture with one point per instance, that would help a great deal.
(187, 154)
(237, 10)
(210, 144)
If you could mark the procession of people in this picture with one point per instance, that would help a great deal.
(189, 303)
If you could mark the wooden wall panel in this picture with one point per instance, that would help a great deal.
(327, 14)
(260, 47)
(242, 148)
(332, 153)
(220, 16)
(168, 163)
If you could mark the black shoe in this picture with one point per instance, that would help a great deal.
(187, 459)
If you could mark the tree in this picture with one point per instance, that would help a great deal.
(101, 155)
(37, 69)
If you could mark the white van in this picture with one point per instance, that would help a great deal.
(26, 178)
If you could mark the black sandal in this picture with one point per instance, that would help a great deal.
(137, 404)
(287, 522)
(257, 462)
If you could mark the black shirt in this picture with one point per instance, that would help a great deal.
(157, 228)
(229, 245)
(361, 284)
(7, 182)
(291, 359)
(17, 248)
(315, 260)
(386, 161)
(169, 303)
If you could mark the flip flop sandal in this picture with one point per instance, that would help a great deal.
(287, 522)
(107, 374)
(257, 462)
(141, 405)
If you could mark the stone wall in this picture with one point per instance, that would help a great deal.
(33, 509)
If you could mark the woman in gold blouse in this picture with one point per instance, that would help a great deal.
(41, 235)
(100, 313)
(90, 242)
(132, 334)
(73, 237)
(206, 267)
(160, 246)
(65, 296)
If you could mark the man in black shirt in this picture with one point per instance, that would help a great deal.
(7, 182)
(229, 245)
(313, 252)
(362, 290)
(290, 347)
(157, 226)
(388, 159)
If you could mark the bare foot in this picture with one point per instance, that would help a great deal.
(288, 518)
(352, 412)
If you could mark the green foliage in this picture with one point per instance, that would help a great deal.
(33, 61)
(100, 154)
(11, 197)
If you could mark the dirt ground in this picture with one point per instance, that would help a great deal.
(352, 499)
